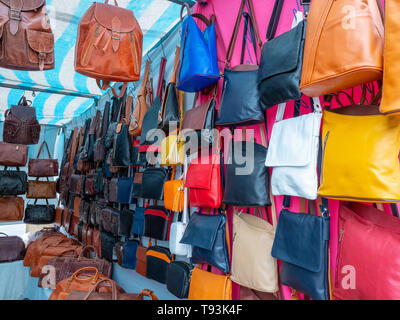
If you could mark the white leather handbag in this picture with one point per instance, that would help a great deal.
(293, 153)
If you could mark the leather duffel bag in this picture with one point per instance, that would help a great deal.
(43, 167)
(11, 208)
(11, 248)
(13, 154)
(41, 189)
(13, 182)
(109, 45)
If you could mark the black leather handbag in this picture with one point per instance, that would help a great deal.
(238, 178)
(99, 150)
(240, 102)
(39, 213)
(281, 62)
(87, 153)
(207, 234)
(112, 127)
(107, 242)
(178, 278)
(137, 185)
(84, 211)
(13, 182)
(153, 183)
(302, 244)
(157, 222)
(98, 178)
(150, 122)
(157, 261)
(125, 222)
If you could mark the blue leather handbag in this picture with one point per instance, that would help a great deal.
(138, 221)
(124, 190)
(207, 234)
(198, 66)
(129, 256)
(301, 243)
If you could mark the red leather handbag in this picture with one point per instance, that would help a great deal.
(204, 182)
(368, 259)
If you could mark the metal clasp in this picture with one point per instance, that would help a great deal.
(115, 34)
(14, 14)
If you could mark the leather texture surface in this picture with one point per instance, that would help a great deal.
(39, 214)
(41, 189)
(328, 67)
(11, 208)
(129, 256)
(12, 248)
(13, 154)
(206, 285)
(125, 185)
(178, 278)
(138, 221)
(158, 259)
(157, 221)
(13, 182)
(153, 183)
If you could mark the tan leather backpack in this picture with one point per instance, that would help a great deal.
(27, 42)
(109, 45)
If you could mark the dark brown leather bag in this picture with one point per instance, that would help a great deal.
(26, 36)
(113, 190)
(43, 167)
(41, 189)
(11, 248)
(141, 258)
(11, 209)
(20, 124)
(109, 45)
(13, 155)
(96, 241)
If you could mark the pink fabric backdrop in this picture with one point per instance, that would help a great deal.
(226, 13)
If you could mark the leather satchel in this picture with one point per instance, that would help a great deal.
(125, 222)
(281, 61)
(174, 194)
(41, 189)
(157, 222)
(240, 100)
(137, 185)
(153, 183)
(13, 183)
(39, 213)
(110, 220)
(20, 124)
(99, 148)
(124, 190)
(138, 221)
(109, 45)
(328, 67)
(113, 190)
(129, 254)
(107, 243)
(301, 243)
(207, 234)
(11, 248)
(13, 155)
(141, 259)
(27, 39)
(158, 259)
(43, 167)
(178, 278)
(11, 209)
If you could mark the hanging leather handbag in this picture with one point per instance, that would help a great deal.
(75, 184)
(20, 124)
(178, 278)
(124, 190)
(176, 233)
(141, 259)
(138, 221)
(367, 234)
(41, 189)
(88, 148)
(90, 189)
(252, 263)
(13, 183)
(129, 254)
(328, 67)
(77, 205)
(84, 211)
(39, 213)
(158, 259)
(13, 155)
(281, 60)
(125, 222)
(122, 145)
(109, 220)
(12, 248)
(43, 167)
(207, 234)
(360, 132)
(141, 106)
(149, 137)
(293, 153)
(174, 194)
(113, 190)
(153, 183)
(11, 208)
(302, 244)
(98, 180)
(205, 285)
(99, 148)
(239, 177)
(137, 185)
(115, 115)
(240, 101)
(109, 36)
(203, 180)
(28, 45)
(157, 222)
(198, 66)
(107, 243)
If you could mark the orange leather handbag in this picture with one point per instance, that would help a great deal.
(391, 80)
(343, 47)
(174, 194)
(109, 45)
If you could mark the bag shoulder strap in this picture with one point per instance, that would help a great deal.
(161, 74)
(44, 143)
(176, 65)
(274, 20)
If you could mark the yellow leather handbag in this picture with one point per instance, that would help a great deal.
(174, 194)
(360, 160)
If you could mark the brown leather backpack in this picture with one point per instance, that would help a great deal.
(109, 45)
(26, 36)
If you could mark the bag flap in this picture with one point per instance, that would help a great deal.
(199, 175)
(299, 239)
(40, 41)
(195, 118)
(292, 141)
(105, 13)
(27, 5)
(202, 229)
(157, 211)
(282, 54)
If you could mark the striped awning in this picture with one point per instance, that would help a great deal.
(156, 18)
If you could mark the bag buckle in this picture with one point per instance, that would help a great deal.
(14, 14)
(42, 55)
(115, 34)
